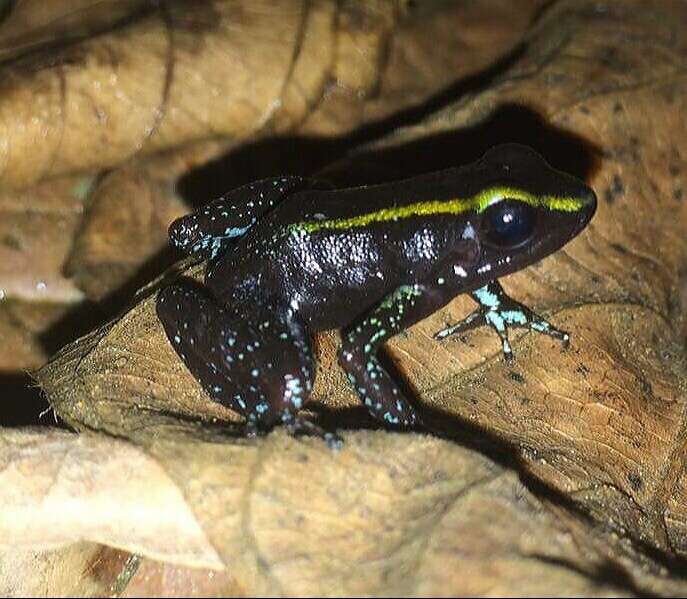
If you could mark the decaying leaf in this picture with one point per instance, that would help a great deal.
(186, 71)
(81, 569)
(561, 474)
(36, 228)
(387, 514)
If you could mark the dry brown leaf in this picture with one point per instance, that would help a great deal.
(597, 432)
(29, 24)
(80, 570)
(36, 229)
(383, 66)
(230, 68)
(22, 326)
(165, 79)
(96, 485)
(288, 517)
(156, 579)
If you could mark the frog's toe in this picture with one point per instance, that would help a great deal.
(300, 425)
(540, 325)
(251, 430)
(473, 320)
(411, 420)
(333, 441)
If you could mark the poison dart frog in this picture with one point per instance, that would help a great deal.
(288, 257)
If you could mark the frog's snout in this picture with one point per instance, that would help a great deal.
(589, 199)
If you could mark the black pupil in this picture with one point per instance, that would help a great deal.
(509, 223)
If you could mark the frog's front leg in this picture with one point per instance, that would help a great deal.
(256, 361)
(210, 229)
(360, 343)
(500, 312)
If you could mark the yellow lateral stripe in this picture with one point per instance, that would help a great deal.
(478, 203)
(563, 204)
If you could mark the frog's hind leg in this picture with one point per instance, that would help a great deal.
(258, 362)
(210, 230)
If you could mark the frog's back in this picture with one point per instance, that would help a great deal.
(322, 252)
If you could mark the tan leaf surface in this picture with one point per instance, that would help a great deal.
(579, 483)
(382, 516)
(230, 68)
(36, 230)
(31, 23)
(80, 570)
(431, 46)
(95, 484)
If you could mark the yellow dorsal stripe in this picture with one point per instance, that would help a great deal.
(477, 203)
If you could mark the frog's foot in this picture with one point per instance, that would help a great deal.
(300, 425)
(380, 394)
(251, 430)
(500, 312)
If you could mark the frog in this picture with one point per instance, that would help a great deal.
(289, 256)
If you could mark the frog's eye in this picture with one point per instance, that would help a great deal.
(508, 223)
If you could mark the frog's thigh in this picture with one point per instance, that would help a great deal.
(399, 310)
(212, 228)
(257, 363)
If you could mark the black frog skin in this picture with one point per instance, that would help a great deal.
(288, 257)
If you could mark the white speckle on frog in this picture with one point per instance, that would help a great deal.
(469, 232)
(459, 270)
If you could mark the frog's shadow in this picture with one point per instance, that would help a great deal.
(338, 161)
